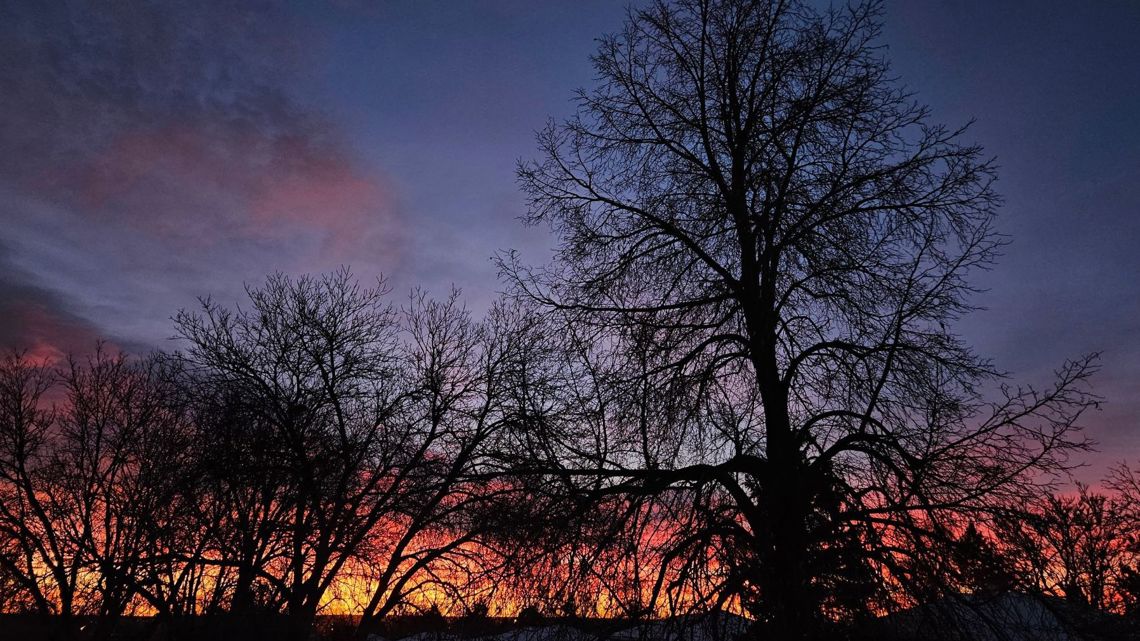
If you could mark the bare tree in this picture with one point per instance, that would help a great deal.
(150, 545)
(114, 429)
(343, 440)
(82, 498)
(764, 244)
(236, 500)
(309, 376)
(37, 554)
(1073, 547)
(467, 386)
(1124, 482)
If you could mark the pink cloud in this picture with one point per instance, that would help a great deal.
(161, 152)
(200, 184)
(324, 192)
(46, 335)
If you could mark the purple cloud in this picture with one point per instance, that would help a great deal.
(158, 154)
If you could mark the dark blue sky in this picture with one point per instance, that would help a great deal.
(157, 152)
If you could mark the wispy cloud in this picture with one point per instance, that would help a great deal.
(37, 320)
(156, 150)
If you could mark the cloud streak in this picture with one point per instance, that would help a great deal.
(38, 320)
(161, 142)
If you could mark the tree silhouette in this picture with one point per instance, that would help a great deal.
(1124, 482)
(37, 554)
(341, 436)
(311, 365)
(1068, 546)
(979, 567)
(764, 242)
(85, 486)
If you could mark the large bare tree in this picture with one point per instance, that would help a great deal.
(341, 447)
(303, 384)
(764, 244)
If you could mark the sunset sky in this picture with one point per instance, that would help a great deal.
(154, 153)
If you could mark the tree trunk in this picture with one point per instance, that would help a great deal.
(784, 589)
(300, 624)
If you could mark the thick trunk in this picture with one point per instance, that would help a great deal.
(242, 602)
(784, 568)
(65, 627)
(789, 613)
(301, 624)
(785, 575)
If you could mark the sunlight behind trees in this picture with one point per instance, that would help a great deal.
(737, 389)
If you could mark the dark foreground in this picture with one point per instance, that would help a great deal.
(1006, 617)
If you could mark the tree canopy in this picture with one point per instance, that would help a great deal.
(765, 241)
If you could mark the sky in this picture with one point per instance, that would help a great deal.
(153, 153)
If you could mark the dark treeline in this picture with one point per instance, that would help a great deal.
(320, 440)
(319, 450)
(323, 450)
(737, 387)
